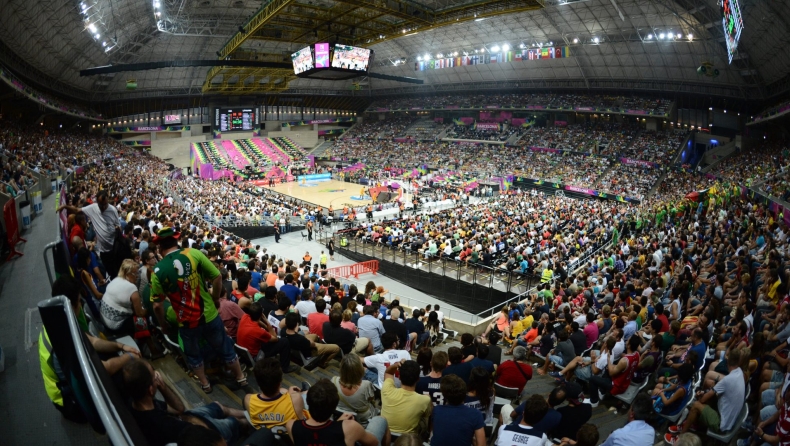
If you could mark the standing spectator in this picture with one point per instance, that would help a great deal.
(637, 432)
(104, 218)
(403, 408)
(196, 309)
(230, 314)
(456, 423)
(371, 327)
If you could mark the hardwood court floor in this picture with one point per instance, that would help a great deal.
(325, 193)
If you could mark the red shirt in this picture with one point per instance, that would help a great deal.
(508, 374)
(76, 231)
(664, 323)
(231, 314)
(250, 335)
(315, 322)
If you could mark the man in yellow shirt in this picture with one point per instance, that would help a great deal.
(404, 409)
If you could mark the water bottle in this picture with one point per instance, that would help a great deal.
(721, 356)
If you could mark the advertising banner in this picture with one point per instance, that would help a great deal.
(155, 128)
(314, 177)
(523, 182)
(633, 162)
(487, 126)
(544, 149)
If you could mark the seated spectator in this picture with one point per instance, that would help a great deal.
(524, 433)
(307, 344)
(619, 375)
(230, 313)
(516, 372)
(371, 327)
(481, 393)
(548, 423)
(391, 355)
(674, 396)
(334, 333)
(258, 336)
(291, 291)
(121, 300)
(415, 327)
(431, 384)
(321, 429)
(637, 432)
(457, 366)
(562, 354)
(403, 408)
(315, 321)
(456, 423)
(573, 415)
(730, 393)
(162, 422)
(274, 406)
(587, 435)
(306, 306)
(393, 325)
(482, 352)
(356, 394)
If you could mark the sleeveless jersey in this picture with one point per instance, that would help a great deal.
(272, 412)
(623, 380)
(328, 434)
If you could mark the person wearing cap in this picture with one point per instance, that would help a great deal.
(180, 277)
(574, 415)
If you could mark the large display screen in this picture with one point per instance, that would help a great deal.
(237, 119)
(172, 119)
(351, 58)
(732, 21)
(302, 60)
(322, 55)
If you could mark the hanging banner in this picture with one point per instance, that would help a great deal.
(633, 162)
(156, 128)
(487, 126)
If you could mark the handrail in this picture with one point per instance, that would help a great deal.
(112, 424)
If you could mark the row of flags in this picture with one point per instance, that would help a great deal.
(509, 56)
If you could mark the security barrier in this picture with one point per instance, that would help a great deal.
(369, 266)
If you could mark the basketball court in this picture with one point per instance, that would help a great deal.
(332, 192)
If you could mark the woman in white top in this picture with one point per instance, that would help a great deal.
(356, 395)
(122, 300)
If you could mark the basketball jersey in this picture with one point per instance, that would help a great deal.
(265, 412)
(328, 434)
(623, 380)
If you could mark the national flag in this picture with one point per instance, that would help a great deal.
(518, 56)
(557, 53)
(544, 53)
(458, 61)
(566, 51)
(493, 58)
(431, 64)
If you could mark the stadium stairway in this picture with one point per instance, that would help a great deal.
(321, 148)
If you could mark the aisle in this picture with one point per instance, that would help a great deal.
(27, 413)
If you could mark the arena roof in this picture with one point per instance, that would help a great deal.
(613, 44)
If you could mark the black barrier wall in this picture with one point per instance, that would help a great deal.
(253, 232)
(471, 297)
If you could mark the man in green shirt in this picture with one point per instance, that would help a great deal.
(181, 278)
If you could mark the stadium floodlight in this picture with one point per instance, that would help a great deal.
(661, 36)
(483, 50)
(505, 47)
(427, 56)
(439, 56)
(575, 40)
(551, 43)
(679, 36)
(690, 36)
(596, 40)
(455, 53)
(419, 58)
(97, 36)
(92, 27)
(521, 46)
(649, 36)
(495, 48)
(104, 43)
